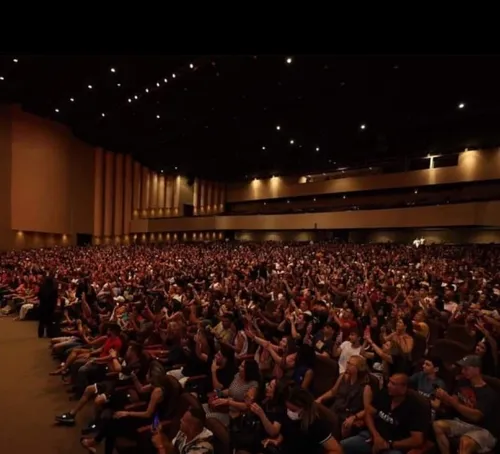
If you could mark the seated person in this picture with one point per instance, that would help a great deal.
(427, 381)
(348, 348)
(301, 430)
(125, 423)
(232, 399)
(474, 405)
(223, 369)
(348, 394)
(324, 340)
(396, 421)
(192, 438)
(133, 364)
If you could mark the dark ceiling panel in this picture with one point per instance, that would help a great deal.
(218, 116)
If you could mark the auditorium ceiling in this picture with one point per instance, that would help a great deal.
(230, 117)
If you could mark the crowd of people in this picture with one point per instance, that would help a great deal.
(408, 336)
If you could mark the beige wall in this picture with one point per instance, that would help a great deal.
(464, 214)
(51, 177)
(472, 166)
(5, 176)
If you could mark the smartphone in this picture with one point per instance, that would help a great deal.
(156, 422)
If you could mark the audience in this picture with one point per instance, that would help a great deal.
(270, 339)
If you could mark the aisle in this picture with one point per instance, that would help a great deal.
(29, 398)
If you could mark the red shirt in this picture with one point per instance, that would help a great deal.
(114, 343)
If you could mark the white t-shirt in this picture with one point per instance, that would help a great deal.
(346, 351)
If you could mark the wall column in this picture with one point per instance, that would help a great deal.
(127, 195)
(153, 194)
(145, 183)
(222, 199)
(209, 196)
(176, 195)
(136, 195)
(161, 196)
(98, 193)
(196, 192)
(169, 193)
(203, 188)
(215, 198)
(108, 194)
(118, 198)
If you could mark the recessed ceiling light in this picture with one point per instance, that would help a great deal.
(292, 141)
(173, 75)
(2, 78)
(175, 168)
(157, 116)
(72, 99)
(129, 100)
(263, 148)
(363, 126)
(165, 80)
(90, 87)
(278, 128)
(15, 60)
(461, 105)
(57, 110)
(146, 90)
(113, 70)
(103, 114)
(161, 171)
(118, 85)
(136, 97)
(289, 60)
(157, 84)
(317, 148)
(191, 65)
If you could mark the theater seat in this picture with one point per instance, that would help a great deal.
(221, 440)
(326, 372)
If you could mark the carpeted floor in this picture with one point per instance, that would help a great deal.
(29, 397)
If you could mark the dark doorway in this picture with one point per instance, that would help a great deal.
(83, 239)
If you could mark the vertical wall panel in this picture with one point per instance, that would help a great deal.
(137, 187)
(222, 199)
(209, 194)
(177, 196)
(109, 164)
(145, 184)
(118, 196)
(216, 198)
(196, 194)
(169, 183)
(203, 188)
(153, 192)
(127, 195)
(161, 195)
(98, 192)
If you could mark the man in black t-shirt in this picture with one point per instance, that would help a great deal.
(474, 405)
(396, 421)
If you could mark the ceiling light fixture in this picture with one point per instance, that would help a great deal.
(72, 99)
(15, 60)
(146, 90)
(157, 84)
(113, 70)
(165, 80)
(292, 141)
(136, 97)
(363, 127)
(173, 75)
(289, 60)
(191, 65)
(461, 105)
(2, 78)
(317, 148)
(103, 114)
(129, 100)
(278, 128)
(118, 85)
(263, 148)
(90, 87)
(57, 110)
(157, 116)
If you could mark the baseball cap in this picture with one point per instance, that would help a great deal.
(470, 361)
